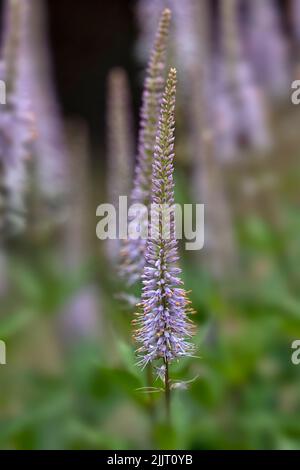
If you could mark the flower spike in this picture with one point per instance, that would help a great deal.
(163, 327)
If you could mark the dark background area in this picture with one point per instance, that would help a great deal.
(88, 38)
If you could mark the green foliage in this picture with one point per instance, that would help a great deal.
(241, 391)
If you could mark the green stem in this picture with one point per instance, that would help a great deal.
(150, 384)
(167, 393)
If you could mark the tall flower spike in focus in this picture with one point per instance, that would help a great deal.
(120, 145)
(133, 252)
(163, 326)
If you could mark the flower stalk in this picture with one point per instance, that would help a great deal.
(167, 393)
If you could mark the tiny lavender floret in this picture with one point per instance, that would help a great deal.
(163, 326)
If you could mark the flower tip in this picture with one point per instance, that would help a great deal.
(167, 13)
(172, 76)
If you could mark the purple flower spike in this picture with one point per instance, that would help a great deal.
(133, 252)
(163, 328)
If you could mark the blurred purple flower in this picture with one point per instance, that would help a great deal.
(17, 130)
(240, 112)
(120, 145)
(133, 252)
(295, 15)
(52, 159)
(239, 107)
(81, 316)
(268, 48)
(148, 13)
